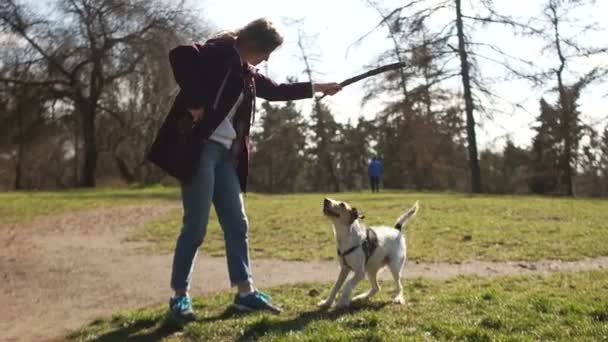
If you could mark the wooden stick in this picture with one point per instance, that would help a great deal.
(370, 73)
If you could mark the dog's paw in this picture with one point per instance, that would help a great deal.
(324, 304)
(361, 297)
(399, 300)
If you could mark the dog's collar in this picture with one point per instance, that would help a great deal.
(348, 251)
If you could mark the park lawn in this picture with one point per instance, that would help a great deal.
(566, 306)
(21, 207)
(449, 227)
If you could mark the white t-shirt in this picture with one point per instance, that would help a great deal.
(225, 133)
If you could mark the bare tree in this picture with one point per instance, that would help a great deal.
(23, 108)
(468, 102)
(394, 29)
(568, 50)
(91, 45)
(324, 125)
(409, 19)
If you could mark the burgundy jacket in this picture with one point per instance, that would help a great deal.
(212, 76)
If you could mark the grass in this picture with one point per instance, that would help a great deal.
(21, 207)
(568, 307)
(449, 227)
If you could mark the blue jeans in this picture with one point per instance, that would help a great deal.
(216, 181)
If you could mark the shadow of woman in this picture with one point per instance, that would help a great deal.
(265, 326)
(140, 331)
(133, 332)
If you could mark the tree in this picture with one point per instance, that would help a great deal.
(590, 177)
(324, 129)
(567, 50)
(505, 171)
(22, 116)
(603, 160)
(545, 154)
(87, 46)
(278, 160)
(131, 123)
(458, 55)
(354, 152)
(468, 102)
(324, 136)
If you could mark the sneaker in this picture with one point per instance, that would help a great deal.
(180, 308)
(265, 295)
(256, 301)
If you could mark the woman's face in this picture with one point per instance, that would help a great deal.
(254, 57)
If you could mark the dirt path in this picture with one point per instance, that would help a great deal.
(60, 272)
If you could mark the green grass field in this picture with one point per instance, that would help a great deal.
(449, 227)
(21, 207)
(568, 307)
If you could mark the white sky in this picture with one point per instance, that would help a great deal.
(336, 24)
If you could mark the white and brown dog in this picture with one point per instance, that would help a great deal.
(365, 250)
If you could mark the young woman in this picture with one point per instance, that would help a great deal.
(218, 85)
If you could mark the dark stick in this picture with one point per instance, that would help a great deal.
(370, 73)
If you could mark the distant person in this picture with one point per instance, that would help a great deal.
(375, 170)
(218, 83)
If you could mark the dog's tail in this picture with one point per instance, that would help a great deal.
(402, 220)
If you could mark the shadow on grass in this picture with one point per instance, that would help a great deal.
(142, 331)
(151, 330)
(264, 326)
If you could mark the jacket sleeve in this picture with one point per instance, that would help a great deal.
(189, 71)
(272, 91)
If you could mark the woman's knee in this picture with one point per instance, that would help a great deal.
(236, 227)
(194, 230)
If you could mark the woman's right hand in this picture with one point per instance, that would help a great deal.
(327, 88)
(197, 114)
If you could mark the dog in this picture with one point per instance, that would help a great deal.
(365, 251)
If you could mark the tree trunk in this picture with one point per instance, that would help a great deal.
(322, 145)
(18, 168)
(127, 175)
(396, 45)
(87, 114)
(19, 163)
(566, 112)
(77, 166)
(469, 106)
(324, 155)
(567, 179)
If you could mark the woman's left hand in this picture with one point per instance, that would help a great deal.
(327, 88)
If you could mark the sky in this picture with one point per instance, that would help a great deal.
(333, 26)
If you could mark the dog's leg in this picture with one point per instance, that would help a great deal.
(348, 288)
(396, 265)
(334, 291)
(372, 275)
